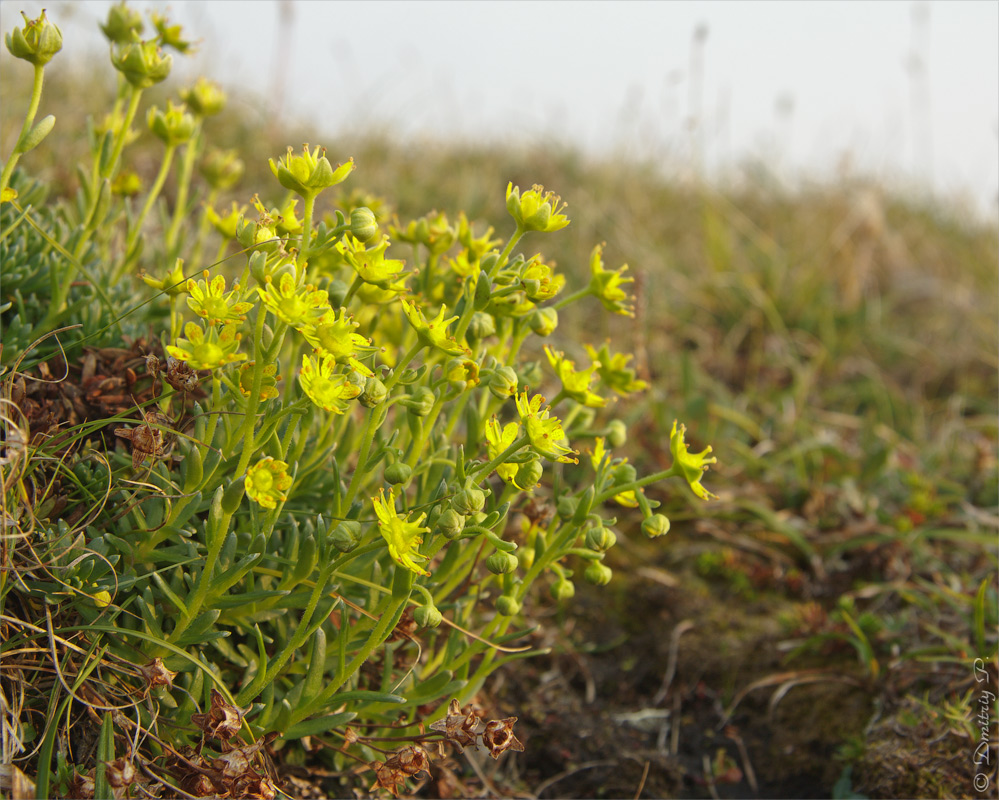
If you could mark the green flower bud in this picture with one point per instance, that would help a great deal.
(428, 616)
(37, 42)
(583, 505)
(480, 327)
(543, 321)
(346, 536)
(363, 224)
(530, 374)
(142, 63)
(623, 473)
(397, 473)
(503, 382)
(655, 525)
(598, 573)
(562, 590)
(469, 501)
(205, 98)
(529, 474)
(600, 539)
(450, 524)
(526, 557)
(173, 283)
(373, 393)
(488, 262)
(507, 605)
(420, 402)
(337, 291)
(172, 127)
(617, 433)
(483, 287)
(500, 563)
(566, 508)
(222, 168)
(123, 25)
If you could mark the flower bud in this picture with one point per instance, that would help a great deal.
(500, 563)
(428, 616)
(526, 556)
(543, 321)
(600, 539)
(363, 225)
(346, 536)
(205, 98)
(37, 42)
(469, 501)
(373, 393)
(503, 383)
(655, 525)
(617, 433)
(450, 524)
(483, 290)
(566, 507)
(507, 605)
(222, 169)
(142, 63)
(398, 473)
(623, 473)
(173, 283)
(530, 374)
(529, 474)
(123, 25)
(460, 372)
(420, 402)
(481, 326)
(172, 127)
(598, 573)
(562, 590)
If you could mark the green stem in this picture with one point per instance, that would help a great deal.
(29, 119)
(501, 261)
(393, 607)
(183, 189)
(488, 467)
(306, 242)
(572, 298)
(154, 193)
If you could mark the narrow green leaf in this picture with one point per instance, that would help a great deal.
(105, 755)
(317, 725)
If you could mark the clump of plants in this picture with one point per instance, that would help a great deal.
(300, 480)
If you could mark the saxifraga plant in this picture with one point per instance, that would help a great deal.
(335, 488)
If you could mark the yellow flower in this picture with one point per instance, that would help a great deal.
(298, 306)
(372, 267)
(545, 432)
(499, 439)
(536, 209)
(267, 481)
(209, 300)
(209, 351)
(268, 385)
(614, 372)
(334, 334)
(434, 332)
(324, 388)
(626, 499)
(605, 285)
(540, 281)
(575, 384)
(402, 536)
(691, 466)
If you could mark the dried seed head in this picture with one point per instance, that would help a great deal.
(120, 773)
(156, 674)
(222, 721)
(498, 736)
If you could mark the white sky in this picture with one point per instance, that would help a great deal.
(909, 91)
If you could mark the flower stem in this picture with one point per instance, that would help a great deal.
(29, 119)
